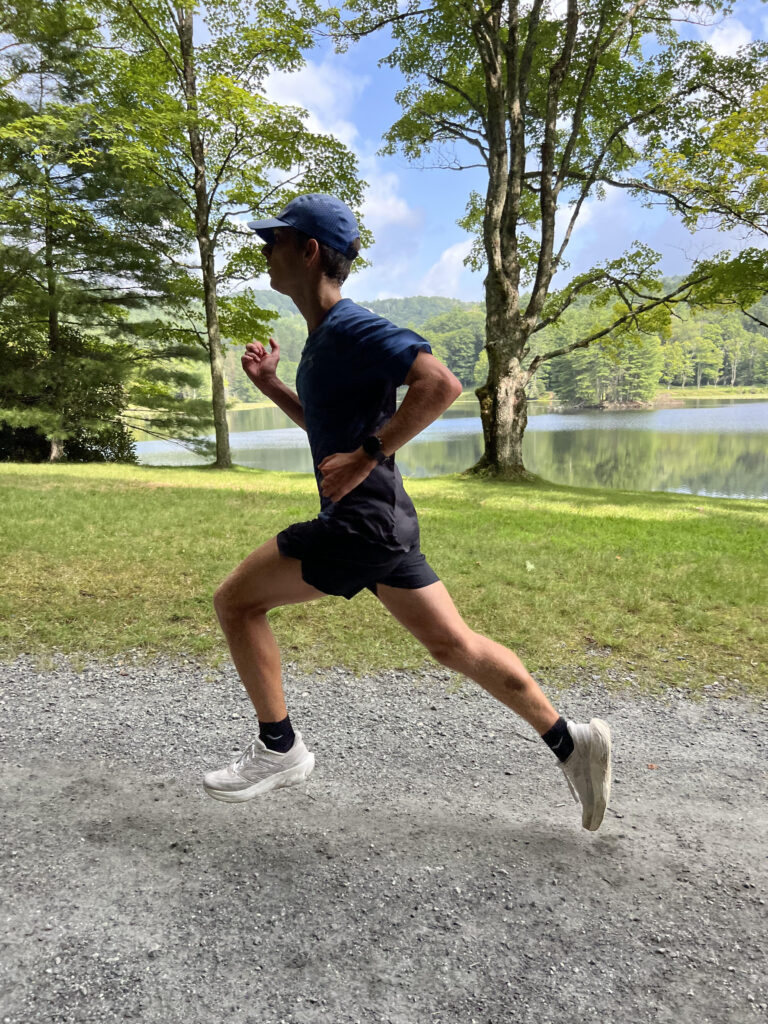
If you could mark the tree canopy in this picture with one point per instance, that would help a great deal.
(560, 102)
(73, 273)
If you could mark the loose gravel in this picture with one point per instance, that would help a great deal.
(431, 871)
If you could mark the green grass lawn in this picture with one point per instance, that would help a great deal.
(102, 559)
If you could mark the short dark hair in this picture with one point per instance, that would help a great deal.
(334, 264)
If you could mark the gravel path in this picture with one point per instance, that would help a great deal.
(432, 871)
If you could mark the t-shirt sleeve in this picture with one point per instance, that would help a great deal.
(388, 351)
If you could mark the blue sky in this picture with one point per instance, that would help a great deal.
(419, 248)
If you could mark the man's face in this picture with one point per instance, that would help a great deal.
(283, 260)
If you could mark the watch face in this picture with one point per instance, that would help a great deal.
(372, 445)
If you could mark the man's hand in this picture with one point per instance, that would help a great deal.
(343, 472)
(260, 365)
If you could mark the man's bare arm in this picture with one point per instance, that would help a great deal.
(261, 368)
(431, 389)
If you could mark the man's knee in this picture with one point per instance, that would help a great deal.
(454, 650)
(231, 606)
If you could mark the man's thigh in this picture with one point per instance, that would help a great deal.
(427, 612)
(264, 580)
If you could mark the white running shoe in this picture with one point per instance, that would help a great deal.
(588, 770)
(258, 770)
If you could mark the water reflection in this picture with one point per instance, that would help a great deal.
(717, 449)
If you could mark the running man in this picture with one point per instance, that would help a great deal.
(367, 533)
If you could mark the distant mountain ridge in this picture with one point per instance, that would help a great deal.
(412, 311)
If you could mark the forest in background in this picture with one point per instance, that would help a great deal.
(702, 348)
(132, 149)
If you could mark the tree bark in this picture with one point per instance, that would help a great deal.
(216, 355)
(504, 415)
(503, 401)
(205, 245)
(54, 339)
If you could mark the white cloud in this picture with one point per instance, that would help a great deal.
(594, 213)
(329, 94)
(326, 92)
(389, 278)
(726, 39)
(443, 277)
(383, 205)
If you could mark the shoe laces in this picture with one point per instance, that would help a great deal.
(574, 794)
(249, 754)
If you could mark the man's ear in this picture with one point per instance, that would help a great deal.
(311, 251)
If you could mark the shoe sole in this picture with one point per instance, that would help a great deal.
(599, 770)
(290, 777)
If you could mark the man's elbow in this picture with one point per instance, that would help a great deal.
(452, 387)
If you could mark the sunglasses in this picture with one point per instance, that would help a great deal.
(271, 240)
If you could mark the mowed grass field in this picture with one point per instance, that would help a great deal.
(665, 590)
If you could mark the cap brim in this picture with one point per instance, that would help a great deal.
(272, 222)
(264, 228)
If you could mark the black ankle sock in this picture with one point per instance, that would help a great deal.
(277, 736)
(558, 739)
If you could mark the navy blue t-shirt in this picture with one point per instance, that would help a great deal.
(350, 369)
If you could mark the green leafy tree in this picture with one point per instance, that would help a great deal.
(190, 117)
(72, 272)
(640, 370)
(414, 311)
(716, 167)
(707, 353)
(457, 338)
(736, 343)
(76, 396)
(675, 367)
(685, 334)
(558, 103)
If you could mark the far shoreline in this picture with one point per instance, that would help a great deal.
(675, 398)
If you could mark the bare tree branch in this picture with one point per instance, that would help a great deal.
(389, 20)
(158, 39)
(754, 318)
(437, 80)
(632, 314)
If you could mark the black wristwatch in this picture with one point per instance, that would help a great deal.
(372, 446)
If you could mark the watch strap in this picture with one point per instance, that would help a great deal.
(372, 447)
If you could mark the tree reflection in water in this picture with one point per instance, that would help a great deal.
(592, 449)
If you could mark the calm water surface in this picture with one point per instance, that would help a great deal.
(707, 447)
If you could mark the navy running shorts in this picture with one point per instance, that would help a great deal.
(337, 562)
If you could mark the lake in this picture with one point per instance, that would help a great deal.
(708, 447)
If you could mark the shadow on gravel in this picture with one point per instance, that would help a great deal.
(400, 885)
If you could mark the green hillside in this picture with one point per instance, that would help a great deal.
(409, 312)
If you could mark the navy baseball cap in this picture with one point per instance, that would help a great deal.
(322, 217)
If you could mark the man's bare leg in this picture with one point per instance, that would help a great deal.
(264, 580)
(431, 616)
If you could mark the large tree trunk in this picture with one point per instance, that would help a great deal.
(504, 414)
(503, 401)
(205, 245)
(216, 354)
(54, 338)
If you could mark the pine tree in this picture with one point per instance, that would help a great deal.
(72, 272)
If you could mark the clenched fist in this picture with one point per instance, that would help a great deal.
(342, 472)
(260, 365)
